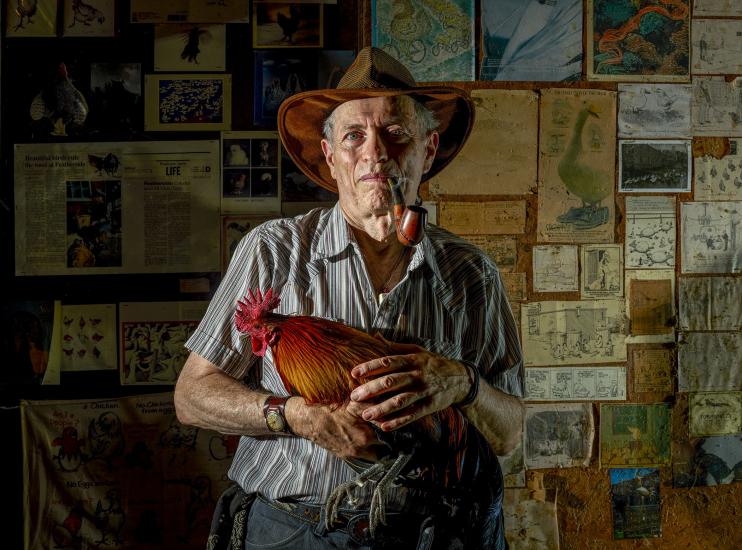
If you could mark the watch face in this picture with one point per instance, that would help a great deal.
(275, 421)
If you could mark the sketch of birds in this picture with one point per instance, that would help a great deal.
(60, 102)
(110, 518)
(85, 13)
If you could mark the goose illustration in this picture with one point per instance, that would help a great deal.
(584, 181)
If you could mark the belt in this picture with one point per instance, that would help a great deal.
(400, 528)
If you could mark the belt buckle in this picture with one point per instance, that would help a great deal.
(358, 529)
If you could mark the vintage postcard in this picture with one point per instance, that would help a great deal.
(654, 110)
(513, 468)
(574, 332)
(484, 217)
(717, 48)
(435, 42)
(555, 268)
(503, 250)
(717, 8)
(234, 228)
(34, 19)
(500, 156)
(652, 370)
(621, 41)
(711, 239)
(577, 146)
(716, 108)
(602, 271)
(190, 48)
(251, 172)
(530, 522)
(650, 305)
(635, 501)
(576, 384)
(650, 233)
(707, 461)
(534, 41)
(89, 337)
(654, 166)
(287, 24)
(710, 303)
(89, 18)
(720, 179)
(709, 361)
(634, 435)
(558, 435)
(715, 413)
(151, 336)
(187, 102)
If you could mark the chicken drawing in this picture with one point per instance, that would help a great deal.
(70, 455)
(289, 24)
(61, 103)
(25, 9)
(584, 181)
(314, 357)
(85, 14)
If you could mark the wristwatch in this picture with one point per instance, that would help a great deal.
(273, 410)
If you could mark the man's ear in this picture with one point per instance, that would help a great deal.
(431, 148)
(329, 159)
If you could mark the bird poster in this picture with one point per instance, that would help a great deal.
(717, 48)
(31, 18)
(715, 413)
(251, 172)
(635, 500)
(634, 435)
(654, 110)
(577, 151)
(118, 473)
(716, 107)
(181, 48)
(433, 39)
(638, 40)
(711, 237)
(287, 24)
(719, 177)
(89, 18)
(89, 337)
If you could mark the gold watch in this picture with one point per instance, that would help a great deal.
(275, 418)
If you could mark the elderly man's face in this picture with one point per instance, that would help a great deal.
(374, 139)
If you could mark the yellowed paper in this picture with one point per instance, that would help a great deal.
(484, 218)
(602, 271)
(575, 384)
(711, 233)
(719, 8)
(503, 250)
(715, 413)
(720, 179)
(499, 158)
(650, 305)
(710, 361)
(515, 286)
(652, 370)
(513, 469)
(716, 46)
(530, 524)
(577, 149)
(710, 303)
(555, 268)
(558, 435)
(715, 107)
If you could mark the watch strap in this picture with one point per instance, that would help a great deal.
(274, 411)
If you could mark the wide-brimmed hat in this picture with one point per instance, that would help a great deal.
(374, 73)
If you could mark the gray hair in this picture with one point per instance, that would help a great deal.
(426, 121)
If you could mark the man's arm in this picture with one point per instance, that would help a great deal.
(211, 399)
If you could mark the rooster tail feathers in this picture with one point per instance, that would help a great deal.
(253, 306)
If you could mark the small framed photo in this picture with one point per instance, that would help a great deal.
(251, 172)
(286, 25)
(654, 166)
(187, 102)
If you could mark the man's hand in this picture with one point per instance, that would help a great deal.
(338, 430)
(403, 388)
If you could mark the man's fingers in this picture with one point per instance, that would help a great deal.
(384, 384)
(382, 365)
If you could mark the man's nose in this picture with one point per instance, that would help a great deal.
(375, 148)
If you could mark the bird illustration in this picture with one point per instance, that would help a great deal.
(25, 9)
(61, 103)
(110, 518)
(69, 457)
(584, 181)
(192, 41)
(289, 24)
(106, 438)
(67, 533)
(314, 357)
(85, 13)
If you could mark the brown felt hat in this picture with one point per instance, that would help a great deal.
(374, 73)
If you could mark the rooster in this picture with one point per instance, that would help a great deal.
(61, 103)
(289, 25)
(314, 357)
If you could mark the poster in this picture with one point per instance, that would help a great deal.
(635, 501)
(531, 40)
(650, 232)
(558, 435)
(710, 303)
(484, 217)
(555, 268)
(118, 207)
(654, 166)
(709, 361)
(435, 41)
(152, 337)
(181, 48)
(652, 370)
(187, 102)
(715, 413)
(89, 337)
(90, 18)
(634, 435)
(707, 461)
(654, 110)
(720, 179)
(711, 237)
(716, 108)
(575, 384)
(717, 48)
(500, 156)
(602, 271)
(621, 40)
(573, 332)
(577, 150)
(118, 473)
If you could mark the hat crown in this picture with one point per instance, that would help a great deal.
(374, 68)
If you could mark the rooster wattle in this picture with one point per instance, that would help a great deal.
(314, 357)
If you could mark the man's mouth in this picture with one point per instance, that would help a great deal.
(378, 177)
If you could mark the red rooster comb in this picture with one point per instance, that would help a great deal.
(253, 307)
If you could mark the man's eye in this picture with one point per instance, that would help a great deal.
(397, 132)
(353, 136)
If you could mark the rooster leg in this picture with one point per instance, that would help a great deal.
(345, 491)
(377, 510)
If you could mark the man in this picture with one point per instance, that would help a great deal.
(347, 264)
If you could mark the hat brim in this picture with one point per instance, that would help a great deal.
(301, 117)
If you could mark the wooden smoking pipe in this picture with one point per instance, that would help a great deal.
(409, 220)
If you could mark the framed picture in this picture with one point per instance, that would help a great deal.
(199, 48)
(251, 172)
(654, 166)
(187, 102)
(91, 18)
(279, 75)
(286, 25)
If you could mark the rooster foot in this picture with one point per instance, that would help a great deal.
(344, 491)
(377, 510)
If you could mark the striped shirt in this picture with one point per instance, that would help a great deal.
(451, 301)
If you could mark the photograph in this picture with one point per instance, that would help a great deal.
(190, 48)
(279, 75)
(115, 99)
(654, 166)
(635, 501)
(286, 25)
(251, 172)
(94, 224)
(187, 102)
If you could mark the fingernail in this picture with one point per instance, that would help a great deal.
(354, 395)
(367, 415)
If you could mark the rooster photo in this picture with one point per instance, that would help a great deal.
(282, 25)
